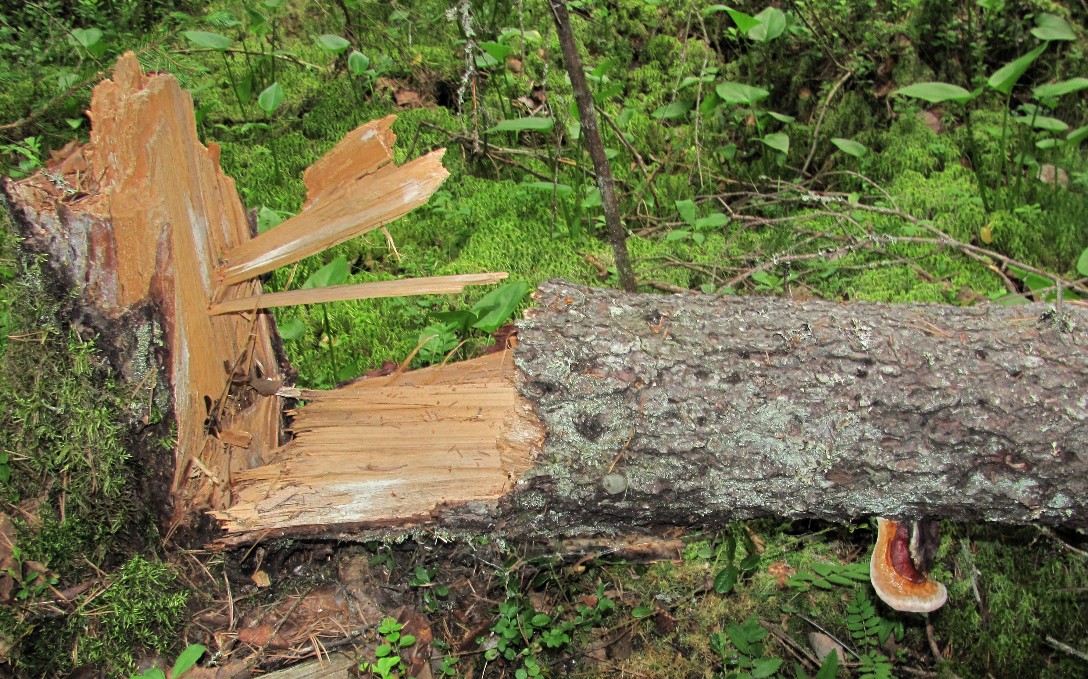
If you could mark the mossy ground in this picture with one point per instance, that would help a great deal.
(66, 432)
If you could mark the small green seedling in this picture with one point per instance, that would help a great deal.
(182, 665)
(388, 663)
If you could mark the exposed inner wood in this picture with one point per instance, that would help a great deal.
(338, 293)
(392, 449)
(157, 213)
(144, 214)
(337, 214)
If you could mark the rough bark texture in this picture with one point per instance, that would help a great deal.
(698, 409)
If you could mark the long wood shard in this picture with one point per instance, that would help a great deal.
(437, 285)
(366, 204)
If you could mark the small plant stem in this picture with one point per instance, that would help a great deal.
(234, 86)
(617, 234)
(1004, 138)
(973, 150)
(328, 332)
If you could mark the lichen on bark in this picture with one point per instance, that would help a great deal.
(719, 408)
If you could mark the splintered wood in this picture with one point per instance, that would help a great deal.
(143, 219)
(161, 213)
(390, 450)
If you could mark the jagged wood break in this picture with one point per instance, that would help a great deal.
(145, 226)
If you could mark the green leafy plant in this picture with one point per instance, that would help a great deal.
(697, 226)
(725, 580)
(333, 273)
(487, 315)
(433, 593)
(1003, 81)
(522, 633)
(29, 150)
(740, 647)
(388, 663)
(185, 662)
(829, 575)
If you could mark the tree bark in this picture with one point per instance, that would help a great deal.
(697, 409)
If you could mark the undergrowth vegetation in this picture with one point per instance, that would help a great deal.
(907, 151)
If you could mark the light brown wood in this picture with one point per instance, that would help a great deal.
(340, 214)
(361, 152)
(437, 285)
(158, 213)
(144, 214)
(391, 448)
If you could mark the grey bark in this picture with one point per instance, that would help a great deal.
(696, 410)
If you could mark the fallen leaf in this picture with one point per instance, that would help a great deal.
(261, 579)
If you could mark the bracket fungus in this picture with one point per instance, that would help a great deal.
(899, 564)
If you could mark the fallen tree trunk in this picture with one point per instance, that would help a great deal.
(641, 410)
(614, 412)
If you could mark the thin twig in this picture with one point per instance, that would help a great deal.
(820, 119)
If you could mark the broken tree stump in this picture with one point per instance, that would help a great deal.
(144, 226)
(614, 412)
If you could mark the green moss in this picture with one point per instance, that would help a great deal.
(140, 611)
(1030, 589)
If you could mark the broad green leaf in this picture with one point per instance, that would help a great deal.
(1077, 136)
(726, 579)
(744, 22)
(88, 37)
(850, 147)
(358, 62)
(333, 273)
(686, 208)
(779, 141)
(1082, 263)
(692, 80)
(498, 51)
(1005, 77)
(560, 189)
(764, 278)
(436, 341)
(1036, 282)
(765, 667)
(1052, 27)
(540, 619)
(935, 92)
(642, 612)
(460, 320)
(208, 40)
(332, 43)
(781, 117)
(268, 218)
(1043, 123)
(772, 23)
(711, 221)
(187, 659)
(523, 125)
(1048, 143)
(677, 109)
(293, 330)
(495, 307)
(1059, 88)
(739, 93)
(677, 234)
(271, 98)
